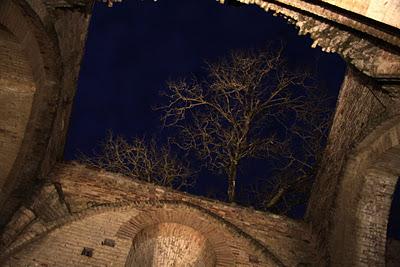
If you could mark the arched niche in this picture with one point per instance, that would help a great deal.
(170, 244)
(364, 198)
(170, 231)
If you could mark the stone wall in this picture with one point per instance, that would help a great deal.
(259, 237)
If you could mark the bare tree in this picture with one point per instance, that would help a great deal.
(250, 106)
(141, 159)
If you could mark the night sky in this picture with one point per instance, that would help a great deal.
(136, 46)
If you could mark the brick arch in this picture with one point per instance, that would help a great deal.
(211, 231)
(215, 228)
(41, 55)
(152, 206)
(364, 197)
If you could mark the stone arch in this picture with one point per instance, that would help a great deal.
(37, 54)
(364, 197)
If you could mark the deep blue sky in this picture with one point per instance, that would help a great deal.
(136, 46)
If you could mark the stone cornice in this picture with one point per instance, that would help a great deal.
(290, 9)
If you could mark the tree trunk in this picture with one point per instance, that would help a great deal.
(232, 182)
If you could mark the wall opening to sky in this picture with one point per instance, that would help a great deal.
(136, 46)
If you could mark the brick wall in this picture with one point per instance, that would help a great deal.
(63, 246)
(255, 236)
(364, 198)
(284, 233)
(371, 227)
